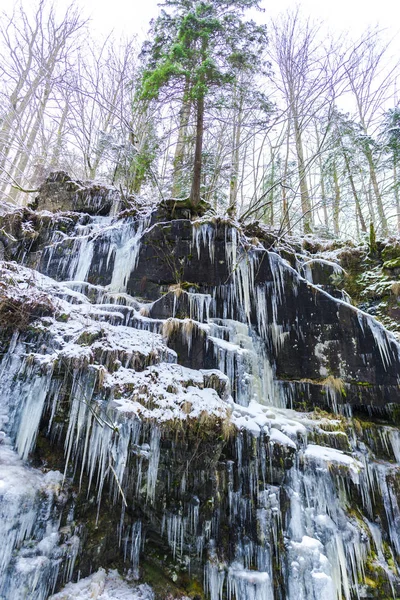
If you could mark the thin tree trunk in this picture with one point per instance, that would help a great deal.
(184, 116)
(195, 197)
(272, 194)
(55, 159)
(26, 154)
(354, 191)
(322, 182)
(237, 132)
(368, 194)
(336, 202)
(396, 194)
(378, 197)
(304, 193)
(285, 221)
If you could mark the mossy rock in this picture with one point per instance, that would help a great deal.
(183, 209)
(351, 259)
(391, 250)
(394, 263)
(166, 577)
(87, 338)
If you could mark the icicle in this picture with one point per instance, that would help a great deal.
(127, 250)
(24, 385)
(136, 543)
(204, 235)
(252, 585)
(74, 547)
(176, 531)
(394, 437)
(199, 306)
(153, 463)
(85, 251)
(29, 541)
(214, 577)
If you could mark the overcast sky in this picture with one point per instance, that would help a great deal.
(133, 16)
(353, 15)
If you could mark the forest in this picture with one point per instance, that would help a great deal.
(268, 119)
(199, 307)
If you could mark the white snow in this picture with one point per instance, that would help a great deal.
(174, 393)
(331, 456)
(104, 585)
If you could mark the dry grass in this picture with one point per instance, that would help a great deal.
(334, 383)
(17, 312)
(169, 327)
(177, 289)
(145, 311)
(172, 326)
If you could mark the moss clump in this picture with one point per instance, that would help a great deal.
(394, 411)
(62, 317)
(373, 248)
(87, 338)
(182, 207)
(391, 250)
(392, 264)
(167, 578)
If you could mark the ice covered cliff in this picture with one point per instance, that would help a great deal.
(181, 403)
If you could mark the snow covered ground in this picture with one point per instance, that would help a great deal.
(104, 585)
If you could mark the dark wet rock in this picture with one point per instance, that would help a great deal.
(306, 332)
(202, 485)
(325, 274)
(171, 208)
(60, 193)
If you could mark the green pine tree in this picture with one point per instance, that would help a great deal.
(199, 47)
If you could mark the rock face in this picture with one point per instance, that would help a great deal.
(307, 336)
(60, 193)
(161, 389)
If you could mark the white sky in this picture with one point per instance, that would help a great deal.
(133, 16)
(354, 15)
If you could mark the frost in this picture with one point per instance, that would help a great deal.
(330, 456)
(104, 585)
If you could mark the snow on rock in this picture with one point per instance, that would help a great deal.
(22, 280)
(332, 457)
(75, 333)
(285, 427)
(104, 585)
(170, 391)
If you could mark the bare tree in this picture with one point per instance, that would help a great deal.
(307, 79)
(100, 101)
(35, 49)
(371, 82)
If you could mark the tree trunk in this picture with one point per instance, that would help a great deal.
(322, 182)
(304, 194)
(55, 159)
(26, 154)
(181, 143)
(237, 132)
(272, 194)
(285, 220)
(378, 197)
(336, 202)
(195, 197)
(396, 194)
(368, 195)
(355, 194)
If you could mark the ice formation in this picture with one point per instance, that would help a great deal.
(99, 378)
